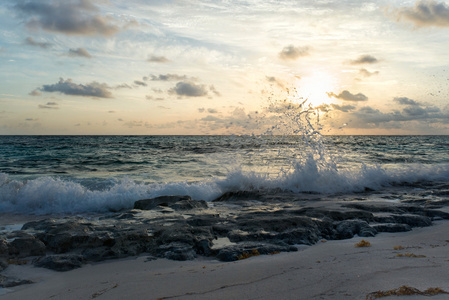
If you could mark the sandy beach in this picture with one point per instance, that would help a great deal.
(327, 270)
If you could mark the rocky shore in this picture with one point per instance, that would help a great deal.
(234, 226)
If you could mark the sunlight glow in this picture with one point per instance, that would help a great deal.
(315, 88)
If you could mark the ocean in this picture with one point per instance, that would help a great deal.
(96, 174)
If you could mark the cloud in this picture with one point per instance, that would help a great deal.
(67, 87)
(272, 79)
(343, 108)
(188, 89)
(49, 105)
(148, 97)
(212, 111)
(35, 93)
(347, 96)
(168, 77)
(214, 90)
(157, 91)
(416, 111)
(123, 86)
(158, 59)
(80, 52)
(78, 17)
(406, 101)
(141, 83)
(292, 53)
(31, 42)
(364, 59)
(366, 73)
(367, 117)
(425, 14)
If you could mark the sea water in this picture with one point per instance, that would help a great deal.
(83, 174)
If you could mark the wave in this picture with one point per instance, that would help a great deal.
(48, 195)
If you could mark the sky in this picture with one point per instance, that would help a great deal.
(223, 67)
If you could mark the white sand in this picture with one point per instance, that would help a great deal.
(328, 270)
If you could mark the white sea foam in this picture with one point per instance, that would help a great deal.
(54, 195)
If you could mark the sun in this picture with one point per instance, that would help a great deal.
(315, 88)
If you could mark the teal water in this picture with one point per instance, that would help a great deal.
(41, 174)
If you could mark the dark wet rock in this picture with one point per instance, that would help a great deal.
(177, 251)
(60, 262)
(132, 242)
(411, 220)
(401, 209)
(7, 282)
(205, 220)
(174, 202)
(204, 247)
(376, 208)
(233, 253)
(4, 251)
(437, 204)
(290, 229)
(179, 228)
(335, 215)
(238, 196)
(348, 228)
(26, 246)
(3, 264)
(392, 227)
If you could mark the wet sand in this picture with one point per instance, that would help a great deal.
(328, 270)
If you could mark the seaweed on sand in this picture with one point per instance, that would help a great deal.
(405, 291)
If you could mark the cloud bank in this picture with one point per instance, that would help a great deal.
(67, 87)
(348, 96)
(424, 14)
(68, 17)
(188, 89)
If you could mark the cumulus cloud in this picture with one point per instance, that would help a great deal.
(366, 73)
(406, 101)
(31, 42)
(80, 52)
(424, 14)
(343, 108)
(188, 89)
(348, 96)
(158, 59)
(67, 87)
(141, 83)
(76, 17)
(292, 53)
(364, 59)
(49, 105)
